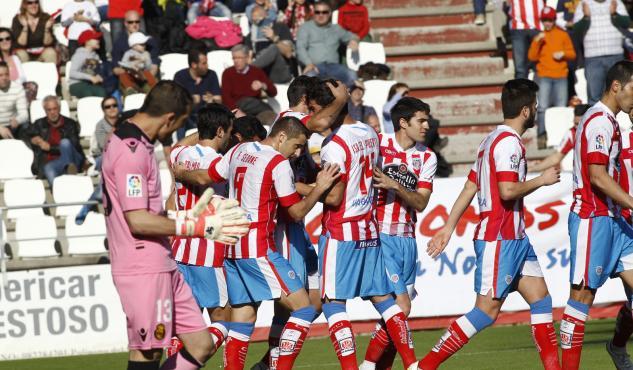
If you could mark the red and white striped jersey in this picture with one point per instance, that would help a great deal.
(414, 169)
(598, 141)
(626, 169)
(567, 144)
(500, 158)
(195, 251)
(304, 118)
(525, 14)
(355, 148)
(259, 178)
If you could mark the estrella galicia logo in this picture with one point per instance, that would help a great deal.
(402, 175)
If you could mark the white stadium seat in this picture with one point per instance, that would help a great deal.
(24, 192)
(89, 112)
(166, 183)
(558, 120)
(244, 26)
(9, 9)
(88, 237)
(367, 52)
(51, 6)
(219, 60)
(280, 102)
(581, 85)
(44, 74)
(36, 110)
(134, 101)
(335, 17)
(71, 188)
(172, 63)
(15, 160)
(35, 236)
(376, 92)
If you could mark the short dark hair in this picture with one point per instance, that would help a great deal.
(211, 117)
(581, 109)
(299, 88)
(291, 126)
(516, 94)
(167, 97)
(4, 64)
(106, 99)
(406, 108)
(193, 56)
(249, 127)
(621, 72)
(321, 93)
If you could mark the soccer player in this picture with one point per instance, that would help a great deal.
(566, 144)
(202, 262)
(350, 256)
(155, 298)
(404, 179)
(261, 179)
(505, 258)
(601, 241)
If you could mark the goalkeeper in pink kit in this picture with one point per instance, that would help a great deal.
(154, 296)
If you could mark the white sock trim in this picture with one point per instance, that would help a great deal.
(466, 326)
(298, 321)
(540, 318)
(578, 315)
(391, 312)
(340, 316)
(220, 327)
(239, 336)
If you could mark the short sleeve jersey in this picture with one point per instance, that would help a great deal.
(195, 251)
(626, 166)
(567, 143)
(304, 118)
(355, 148)
(260, 178)
(598, 141)
(414, 169)
(500, 158)
(131, 182)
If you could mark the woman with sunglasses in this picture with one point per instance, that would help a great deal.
(33, 30)
(8, 56)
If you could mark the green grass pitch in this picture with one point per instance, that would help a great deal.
(502, 347)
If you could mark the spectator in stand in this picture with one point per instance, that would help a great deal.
(258, 23)
(278, 61)
(84, 77)
(244, 86)
(271, 32)
(480, 12)
(211, 8)
(55, 143)
(8, 56)
(137, 64)
(354, 17)
(397, 91)
(34, 33)
(550, 50)
(524, 25)
(598, 23)
(133, 24)
(201, 83)
(118, 12)
(13, 108)
(318, 41)
(296, 14)
(360, 112)
(79, 16)
(565, 10)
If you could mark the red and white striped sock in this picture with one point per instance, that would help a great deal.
(377, 344)
(235, 350)
(398, 330)
(572, 333)
(291, 342)
(544, 337)
(456, 336)
(343, 339)
(174, 346)
(219, 332)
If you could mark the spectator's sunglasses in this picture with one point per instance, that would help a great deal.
(8, 38)
(321, 12)
(110, 106)
(133, 22)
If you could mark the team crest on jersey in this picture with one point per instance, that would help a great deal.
(600, 143)
(292, 275)
(508, 279)
(514, 162)
(417, 163)
(159, 332)
(134, 186)
(599, 270)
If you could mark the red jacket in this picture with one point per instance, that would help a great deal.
(118, 8)
(354, 18)
(238, 85)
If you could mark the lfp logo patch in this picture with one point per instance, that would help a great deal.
(134, 186)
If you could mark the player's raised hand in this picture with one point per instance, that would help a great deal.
(339, 90)
(438, 242)
(327, 176)
(382, 181)
(551, 175)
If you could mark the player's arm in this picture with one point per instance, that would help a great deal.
(599, 178)
(324, 119)
(189, 140)
(416, 199)
(217, 172)
(325, 178)
(334, 196)
(440, 240)
(550, 161)
(510, 190)
(142, 222)
(304, 189)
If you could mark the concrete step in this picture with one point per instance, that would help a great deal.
(456, 111)
(395, 8)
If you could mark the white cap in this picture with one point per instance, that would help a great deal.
(137, 38)
(315, 142)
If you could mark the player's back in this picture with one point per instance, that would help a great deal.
(131, 182)
(598, 141)
(626, 169)
(500, 158)
(355, 148)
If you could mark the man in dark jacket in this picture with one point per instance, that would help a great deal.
(55, 143)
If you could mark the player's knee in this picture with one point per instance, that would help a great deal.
(582, 294)
(405, 306)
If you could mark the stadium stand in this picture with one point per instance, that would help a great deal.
(172, 63)
(15, 160)
(87, 238)
(134, 101)
(44, 74)
(367, 52)
(24, 192)
(36, 110)
(71, 189)
(88, 114)
(558, 120)
(36, 236)
(376, 92)
(219, 60)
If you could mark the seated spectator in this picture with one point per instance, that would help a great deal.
(84, 78)
(550, 50)
(244, 86)
(121, 44)
(296, 14)
(33, 30)
(118, 12)
(201, 82)
(354, 17)
(7, 55)
(137, 63)
(360, 112)
(211, 8)
(278, 61)
(397, 91)
(55, 143)
(318, 41)
(271, 13)
(110, 108)
(271, 32)
(13, 108)
(79, 16)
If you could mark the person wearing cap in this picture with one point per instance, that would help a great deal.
(79, 16)
(137, 63)
(84, 77)
(550, 50)
(360, 112)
